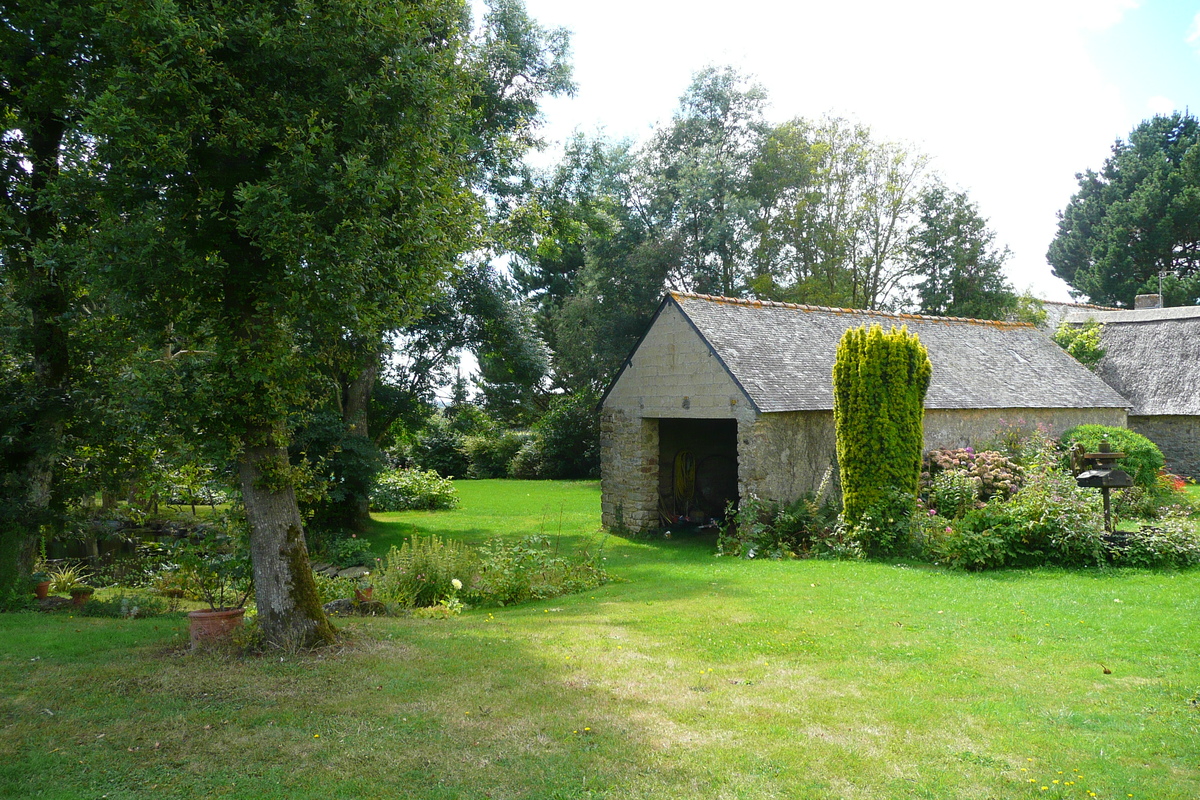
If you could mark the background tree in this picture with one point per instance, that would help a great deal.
(959, 270)
(879, 385)
(1136, 217)
(279, 178)
(717, 201)
(513, 63)
(833, 212)
(697, 168)
(51, 61)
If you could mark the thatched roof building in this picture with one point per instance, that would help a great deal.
(1152, 358)
(744, 390)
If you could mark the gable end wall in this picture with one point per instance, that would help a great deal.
(673, 373)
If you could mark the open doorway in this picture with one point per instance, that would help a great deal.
(697, 469)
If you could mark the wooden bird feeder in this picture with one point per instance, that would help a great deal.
(1104, 476)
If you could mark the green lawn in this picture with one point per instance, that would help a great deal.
(689, 677)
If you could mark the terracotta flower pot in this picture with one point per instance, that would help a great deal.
(42, 590)
(208, 626)
(80, 598)
(363, 595)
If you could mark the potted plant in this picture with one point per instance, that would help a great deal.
(65, 577)
(362, 592)
(81, 593)
(217, 570)
(41, 584)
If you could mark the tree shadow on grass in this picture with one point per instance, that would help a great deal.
(513, 703)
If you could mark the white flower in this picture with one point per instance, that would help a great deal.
(456, 583)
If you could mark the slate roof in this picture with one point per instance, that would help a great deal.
(1151, 356)
(1057, 311)
(782, 355)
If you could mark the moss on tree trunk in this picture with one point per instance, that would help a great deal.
(289, 611)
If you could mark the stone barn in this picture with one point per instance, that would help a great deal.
(722, 398)
(1152, 358)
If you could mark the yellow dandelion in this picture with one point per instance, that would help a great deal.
(316, 736)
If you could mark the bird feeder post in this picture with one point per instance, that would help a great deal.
(1105, 477)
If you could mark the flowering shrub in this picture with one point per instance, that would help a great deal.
(953, 493)
(985, 538)
(1058, 518)
(407, 489)
(421, 572)
(1050, 519)
(993, 473)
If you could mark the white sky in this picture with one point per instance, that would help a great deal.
(1010, 99)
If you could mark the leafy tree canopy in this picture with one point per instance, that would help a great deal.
(1138, 216)
(958, 269)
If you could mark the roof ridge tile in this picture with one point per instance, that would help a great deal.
(756, 303)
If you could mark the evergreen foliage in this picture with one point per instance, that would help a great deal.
(1138, 216)
(879, 385)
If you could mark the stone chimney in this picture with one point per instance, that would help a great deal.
(1148, 301)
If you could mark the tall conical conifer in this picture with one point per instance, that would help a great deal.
(879, 385)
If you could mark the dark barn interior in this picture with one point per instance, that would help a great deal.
(697, 468)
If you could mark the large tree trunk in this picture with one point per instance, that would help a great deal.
(39, 287)
(289, 610)
(355, 408)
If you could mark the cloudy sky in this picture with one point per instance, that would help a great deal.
(1010, 99)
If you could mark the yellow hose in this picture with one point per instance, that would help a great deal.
(685, 476)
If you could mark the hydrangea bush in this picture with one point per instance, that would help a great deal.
(993, 473)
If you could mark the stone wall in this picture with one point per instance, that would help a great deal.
(628, 471)
(1177, 436)
(782, 456)
(975, 426)
(672, 375)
